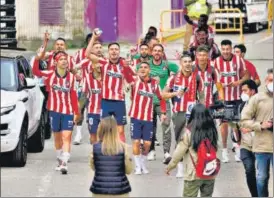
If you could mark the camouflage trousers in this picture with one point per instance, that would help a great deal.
(191, 188)
(166, 127)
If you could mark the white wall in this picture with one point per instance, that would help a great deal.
(151, 14)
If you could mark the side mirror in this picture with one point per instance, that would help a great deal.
(31, 83)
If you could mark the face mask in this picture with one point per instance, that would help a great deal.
(244, 97)
(270, 87)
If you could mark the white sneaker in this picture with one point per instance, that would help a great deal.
(151, 155)
(167, 158)
(157, 143)
(237, 155)
(78, 136)
(138, 171)
(59, 163)
(180, 170)
(143, 165)
(225, 156)
(64, 168)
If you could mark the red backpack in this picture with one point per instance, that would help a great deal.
(208, 165)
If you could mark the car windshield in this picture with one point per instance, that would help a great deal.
(8, 82)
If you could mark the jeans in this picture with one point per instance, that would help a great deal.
(263, 166)
(248, 159)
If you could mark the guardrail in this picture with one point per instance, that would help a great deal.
(229, 20)
(167, 28)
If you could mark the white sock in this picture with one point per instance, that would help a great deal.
(59, 153)
(79, 130)
(225, 150)
(66, 157)
(137, 160)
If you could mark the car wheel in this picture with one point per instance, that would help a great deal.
(254, 27)
(37, 142)
(19, 155)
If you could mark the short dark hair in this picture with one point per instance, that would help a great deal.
(143, 44)
(202, 48)
(159, 45)
(145, 62)
(185, 54)
(60, 38)
(202, 29)
(241, 47)
(113, 43)
(204, 16)
(226, 42)
(88, 37)
(251, 85)
(270, 71)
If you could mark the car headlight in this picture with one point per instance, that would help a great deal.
(6, 110)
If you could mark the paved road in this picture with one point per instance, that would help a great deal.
(38, 177)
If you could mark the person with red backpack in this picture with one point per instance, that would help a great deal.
(198, 149)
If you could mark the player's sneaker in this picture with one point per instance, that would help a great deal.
(151, 155)
(143, 165)
(59, 163)
(64, 168)
(167, 158)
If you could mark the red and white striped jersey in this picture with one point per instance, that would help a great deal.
(80, 55)
(113, 76)
(62, 93)
(50, 54)
(210, 77)
(93, 88)
(142, 99)
(230, 71)
(177, 82)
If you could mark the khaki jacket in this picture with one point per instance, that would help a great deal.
(128, 160)
(182, 152)
(259, 109)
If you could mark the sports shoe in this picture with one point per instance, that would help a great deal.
(237, 155)
(138, 171)
(179, 170)
(64, 168)
(151, 155)
(225, 156)
(167, 158)
(157, 143)
(59, 163)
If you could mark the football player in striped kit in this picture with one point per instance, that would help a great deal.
(186, 89)
(141, 114)
(92, 88)
(62, 104)
(114, 71)
(233, 73)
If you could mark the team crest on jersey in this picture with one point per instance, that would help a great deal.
(206, 84)
(67, 84)
(209, 76)
(145, 93)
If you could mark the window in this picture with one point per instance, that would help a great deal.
(26, 66)
(21, 74)
(51, 12)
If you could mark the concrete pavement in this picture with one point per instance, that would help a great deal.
(38, 178)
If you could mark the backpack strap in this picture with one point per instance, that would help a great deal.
(192, 160)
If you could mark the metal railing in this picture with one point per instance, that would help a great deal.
(229, 20)
(172, 27)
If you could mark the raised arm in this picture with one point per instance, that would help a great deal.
(37, 72)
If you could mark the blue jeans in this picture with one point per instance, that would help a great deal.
(263, 166)
(248, 159)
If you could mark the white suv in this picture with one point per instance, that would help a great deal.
(22, 124)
